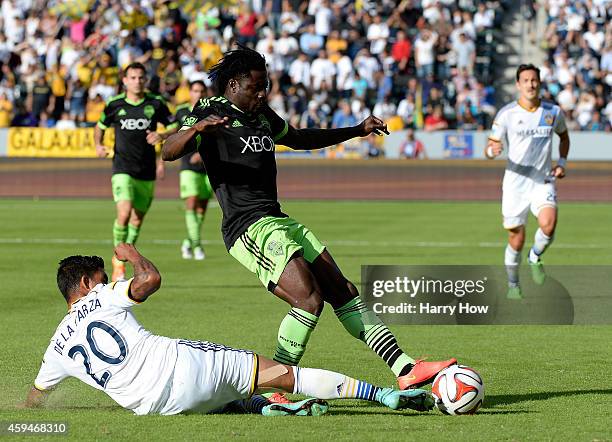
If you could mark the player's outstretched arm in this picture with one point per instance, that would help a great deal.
(308, 139)
(147, 279)
(188, 139)
(177, 144)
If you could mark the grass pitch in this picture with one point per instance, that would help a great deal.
(542, 382)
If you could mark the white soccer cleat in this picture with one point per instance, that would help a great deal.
(186, 252)
(198, 253)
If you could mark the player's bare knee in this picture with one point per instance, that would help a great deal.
(548, 226)
(516, 238)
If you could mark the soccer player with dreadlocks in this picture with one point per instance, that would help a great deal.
(235, 134)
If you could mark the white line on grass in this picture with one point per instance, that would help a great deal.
(336, 243)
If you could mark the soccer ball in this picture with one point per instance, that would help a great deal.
(458, 389)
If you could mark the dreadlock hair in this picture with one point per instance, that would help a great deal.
(71, 270)
(237, 63)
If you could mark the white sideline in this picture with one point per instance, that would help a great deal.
(335, 243)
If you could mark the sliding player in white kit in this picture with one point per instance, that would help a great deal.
(528, 125)
(101, 343)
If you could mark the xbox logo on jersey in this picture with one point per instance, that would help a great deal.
(135, 124)
(257, 144)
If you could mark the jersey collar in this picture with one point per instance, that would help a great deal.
(533, 109)
(134, 103)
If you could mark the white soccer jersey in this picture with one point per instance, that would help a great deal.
(528, 136)
(101, 343)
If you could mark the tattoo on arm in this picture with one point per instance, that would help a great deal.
(147, 279)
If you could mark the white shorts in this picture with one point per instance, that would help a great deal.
(208, 376)
(516, 205)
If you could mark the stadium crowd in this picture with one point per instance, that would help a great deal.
(577, 73)
(420, 64)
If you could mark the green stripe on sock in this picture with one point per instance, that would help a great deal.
(119, 233)
(132, 235)
(293, 335)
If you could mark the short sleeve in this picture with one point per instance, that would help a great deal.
(107, 117)
(278, 126)
(51, 372)
(199, 112)
(499, 128)
(118, 294)
(560, 126)
(165, 117)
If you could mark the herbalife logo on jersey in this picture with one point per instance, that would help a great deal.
(256, 144)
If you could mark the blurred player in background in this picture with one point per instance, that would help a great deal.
(528, 125)
(101, 343)
(134, 114)
(235, 134)
(194, 184)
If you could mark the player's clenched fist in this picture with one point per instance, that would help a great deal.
(126, 252)
(210, 123)
(101, 151)
(494, 148)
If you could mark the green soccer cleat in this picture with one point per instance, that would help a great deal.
(537, 272)
(307, 407)
(415, 399)
(514, 293)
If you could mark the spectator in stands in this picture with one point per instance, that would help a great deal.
(311, 42)
(484, 17)
(299, 71)
(401, 51)
(6, 110)
(343, 117)
(376, 40)
(435, 121)
(323, 19)
(594, 39)
(585, 109)
(378, 34)
(65, 122)
(247, 24)
(411, 148)
(367, 65)
(567, 100)
(94, 110)
(424, 55)
(372, 146)
(406, 109)
(465, 52)
(385, 109)
(40, 96)
(322, 69)
(312, 117)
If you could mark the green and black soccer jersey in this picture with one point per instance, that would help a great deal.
(182, 112)
(131, 120)
(240, 162)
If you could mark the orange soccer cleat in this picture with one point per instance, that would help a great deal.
(423, 373)
(118, 270)
(278, 398)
